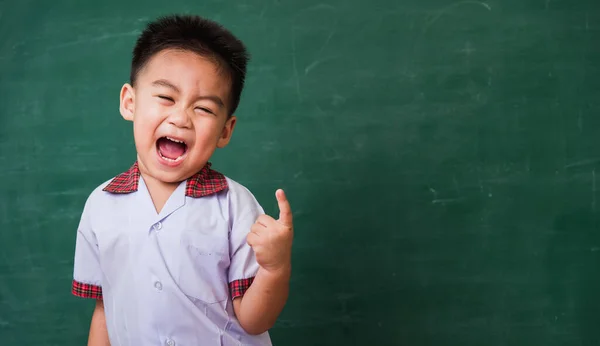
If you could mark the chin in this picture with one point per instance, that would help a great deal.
(171, 177)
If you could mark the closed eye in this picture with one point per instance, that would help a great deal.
(206, 110)
(167, 98)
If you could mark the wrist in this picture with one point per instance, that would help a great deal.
(283, 271)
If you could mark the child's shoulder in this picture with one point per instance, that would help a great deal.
(237, 188)
(240, 197)
(98, 192)
(96, 201)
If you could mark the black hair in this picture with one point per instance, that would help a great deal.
(199, 35)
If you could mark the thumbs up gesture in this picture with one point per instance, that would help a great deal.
(271, 239)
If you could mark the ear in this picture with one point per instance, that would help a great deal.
(227, 132)
(127, 105)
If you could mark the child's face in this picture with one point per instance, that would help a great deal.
(179, 113)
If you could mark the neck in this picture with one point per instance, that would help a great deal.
(159, 190)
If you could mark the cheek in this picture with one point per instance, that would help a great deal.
(144, 128)
(148, 110)
(208, 131)
(140, 134)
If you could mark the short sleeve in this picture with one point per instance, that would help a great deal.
(87, 275)
(243, 266)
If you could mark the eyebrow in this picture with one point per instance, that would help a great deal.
(165, 83)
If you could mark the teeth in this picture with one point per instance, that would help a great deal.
(175, 140)
(171, 160)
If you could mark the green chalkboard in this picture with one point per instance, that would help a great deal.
(442, 159)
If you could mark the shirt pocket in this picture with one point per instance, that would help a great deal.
(202, 269)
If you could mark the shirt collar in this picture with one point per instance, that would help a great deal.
(204, 183)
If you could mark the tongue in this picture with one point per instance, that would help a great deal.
(170, 149)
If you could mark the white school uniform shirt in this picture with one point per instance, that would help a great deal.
(168, 278)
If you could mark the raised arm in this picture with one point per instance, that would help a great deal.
(258, 309)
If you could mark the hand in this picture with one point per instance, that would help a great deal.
(271, 239)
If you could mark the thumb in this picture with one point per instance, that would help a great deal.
(285, 211)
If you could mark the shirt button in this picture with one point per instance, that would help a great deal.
(158, 225)
(158, 285)
(170, 342)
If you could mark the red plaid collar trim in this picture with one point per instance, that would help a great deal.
(204, 183)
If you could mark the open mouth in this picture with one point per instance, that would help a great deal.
(171, 149)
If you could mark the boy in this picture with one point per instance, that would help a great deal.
(174, 252)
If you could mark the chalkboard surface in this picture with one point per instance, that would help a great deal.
(441, 157)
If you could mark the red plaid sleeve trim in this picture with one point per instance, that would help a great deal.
(86, 290)
(237, 288)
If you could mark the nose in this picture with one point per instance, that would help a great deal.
(179, 118)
